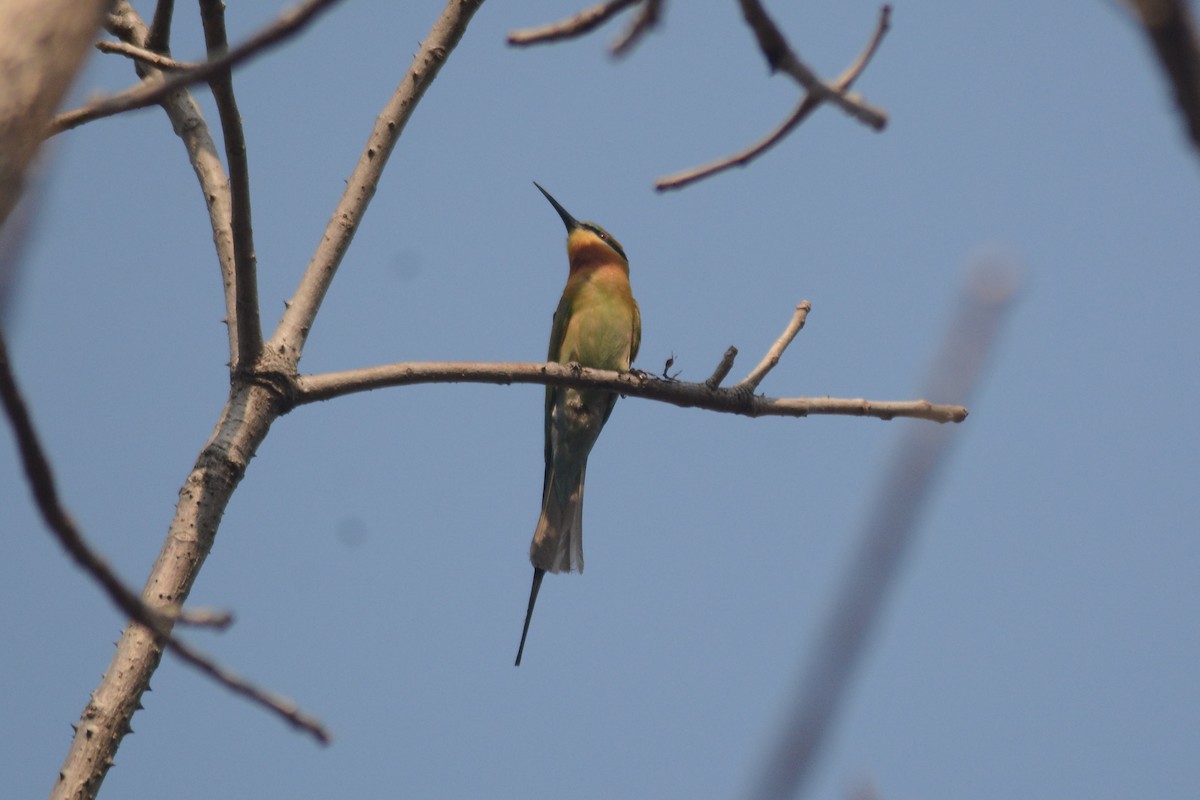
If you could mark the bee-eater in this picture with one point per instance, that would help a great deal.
(597, 324)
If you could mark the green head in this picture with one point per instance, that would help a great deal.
(583, 236)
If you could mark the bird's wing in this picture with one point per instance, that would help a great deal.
(637, 332)
(557, 332)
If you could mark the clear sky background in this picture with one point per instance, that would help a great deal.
(1043, 640)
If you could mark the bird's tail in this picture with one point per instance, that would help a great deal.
(558, 539)
(533, 593)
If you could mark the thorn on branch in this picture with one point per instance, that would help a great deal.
(158, 622)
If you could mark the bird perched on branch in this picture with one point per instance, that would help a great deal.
(597, 324)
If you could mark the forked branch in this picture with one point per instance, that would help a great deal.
(773, 355)
(151, 92)
(254, 402)
(245, 268)
(157, 622)
(738, 399)
(780, 57)
(63, 527)
(144, 56)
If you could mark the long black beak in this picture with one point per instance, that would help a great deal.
(567, 219)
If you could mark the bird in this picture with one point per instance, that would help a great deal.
(597, 324)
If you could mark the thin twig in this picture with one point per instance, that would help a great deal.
(722, 369)
(810, 102)
(144, 55)
(191, 127)
(795, 324)
(60, 523)
(644, 22)
(781, 57)
(577, 25)
(907, 482)
(743, 157)
(248, 325)
(149, 93)
(277, 704)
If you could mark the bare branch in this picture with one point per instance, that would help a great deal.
(326, 386)
(781, 58)
(643, 24)
(1172, 32)
(145, 56)
(769, 361)
(743, 157)
(585, 21)
(157, 622)
(244, 422)
(245, 270)
(158, 39)
(722, 369)
(277, 704)
(188, 123)
(45, 495)
(149, 93)
(288, 339)
(816, 95)
(907, 481)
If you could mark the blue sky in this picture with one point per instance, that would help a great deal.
(1043, 637)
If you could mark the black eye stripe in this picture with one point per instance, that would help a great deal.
(605, 237)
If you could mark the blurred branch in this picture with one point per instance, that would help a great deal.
(780, 57)
(277, 704)
(144, 55)
(45, 495)
(42, 46)
(643, 23)
(245, 270)
(577, 25)
(907, 483)
(148, 93)
(157, 622)
(254, 401)
(1171, 29)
